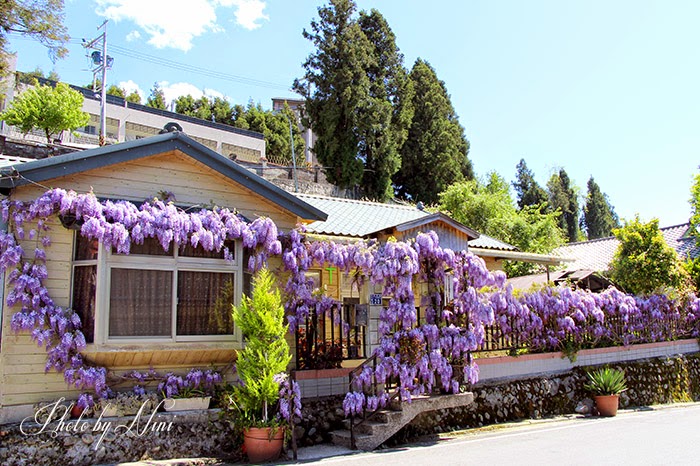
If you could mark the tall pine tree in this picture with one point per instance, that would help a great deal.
(528, 191)
(598, 214)
(384, 128)
(562, 196)
(336, 88)
(435, 154)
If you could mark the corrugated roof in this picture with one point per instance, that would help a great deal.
(597, 254)
(350, 217)
(488, 242)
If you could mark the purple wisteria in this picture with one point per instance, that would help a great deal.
(115, 225)
(433, 352)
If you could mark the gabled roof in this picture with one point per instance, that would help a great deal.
(353, 218)
(598, 253)
(488, 242)
(41, 170)
(350, 217)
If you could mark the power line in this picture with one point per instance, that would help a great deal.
(155, 60)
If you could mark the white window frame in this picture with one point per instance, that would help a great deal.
(107, 260)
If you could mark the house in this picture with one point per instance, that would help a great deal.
(587, 260)
(144, 284)
(597, 254)
(160, 320)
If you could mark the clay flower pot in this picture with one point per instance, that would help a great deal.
(607, 404)
(262, 447)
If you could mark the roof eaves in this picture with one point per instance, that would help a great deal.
(77, 162)
(471, 234)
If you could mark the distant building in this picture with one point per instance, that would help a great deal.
(297, 105)
(128, 121)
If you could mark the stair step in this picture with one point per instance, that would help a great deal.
(342, 438)
(386, 416)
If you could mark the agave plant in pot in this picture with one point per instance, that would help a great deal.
(260, 366)
(606, 384)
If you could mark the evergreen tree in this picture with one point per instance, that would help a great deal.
(336, 88)
(599, 216)
(157, 98)
(134, 98)
(528, 191)
(563, 197)
(384, 128)
(116, 91)
(434, 155)
(644, 263)
(695, 207)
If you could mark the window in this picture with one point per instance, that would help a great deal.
(153, 294)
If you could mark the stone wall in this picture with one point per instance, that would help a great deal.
(191, 434)
(650, 381)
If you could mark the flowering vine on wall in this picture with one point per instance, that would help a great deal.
(422, 355)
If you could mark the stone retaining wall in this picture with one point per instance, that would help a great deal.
(650, 381)
(81, 442)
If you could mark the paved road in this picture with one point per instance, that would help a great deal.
(670, 435)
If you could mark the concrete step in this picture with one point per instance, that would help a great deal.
(362, 441)
(385, 423)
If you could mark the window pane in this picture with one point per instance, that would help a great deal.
(85, 249)
(84, 281)
(140, 303)
(188, 251)
(204, 303)
(150, 247)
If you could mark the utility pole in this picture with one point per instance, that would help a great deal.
(101, 62)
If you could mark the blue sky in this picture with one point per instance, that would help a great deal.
(609, 89)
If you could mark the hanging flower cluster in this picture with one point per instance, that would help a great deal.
(116, 225)
(435, 352)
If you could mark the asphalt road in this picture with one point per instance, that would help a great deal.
(657, 436)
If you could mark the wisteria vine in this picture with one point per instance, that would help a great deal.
(421, 355)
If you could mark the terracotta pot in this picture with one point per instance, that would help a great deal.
(260, 447)
(607, 404)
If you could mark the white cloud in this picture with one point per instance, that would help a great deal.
(175, 23)
(248, 12)
(175, 90)
(132, 36)
(130, 86)
(213, 93)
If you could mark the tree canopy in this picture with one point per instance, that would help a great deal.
(51, 109)
(599, 216)
(435, 154)
(527, 190)
(336, 87)
(564, 199)
(695, 206)
(488, 208)
(385, 128)
(39, 19)
(644, 263)
(157, 98)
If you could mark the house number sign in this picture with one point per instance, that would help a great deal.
(375, 299)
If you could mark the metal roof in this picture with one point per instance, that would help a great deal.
(488, 242)
(598, 253)
(350, 217)
(41, 170)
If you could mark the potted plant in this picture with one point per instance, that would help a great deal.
(191, 392)
(260, 366)
(606, 384)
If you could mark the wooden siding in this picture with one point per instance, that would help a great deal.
(22, 376)
(449, 237)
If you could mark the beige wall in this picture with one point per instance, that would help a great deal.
(22, 376)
